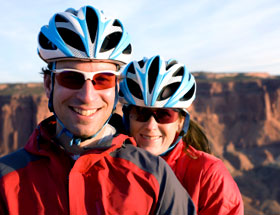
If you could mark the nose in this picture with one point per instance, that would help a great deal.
(151, 123)
(87, 94)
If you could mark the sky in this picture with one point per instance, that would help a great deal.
(205, 35)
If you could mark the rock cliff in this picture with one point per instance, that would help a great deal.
(22, 106)
(240, 114)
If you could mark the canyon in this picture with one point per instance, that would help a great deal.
(239, 112)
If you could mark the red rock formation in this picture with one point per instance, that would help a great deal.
(243, 112)
(19, 115)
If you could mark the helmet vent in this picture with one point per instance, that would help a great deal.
(134, 89)
(130, 69)
(141, 63)
(127, 50)
(45, 43)
(153, 73)
(179, 72)
(92, 22)
(117, 23)
(168, 91)
(189, 94)
(59, 18)
(172, 63)
(111, 41)
(71, 38)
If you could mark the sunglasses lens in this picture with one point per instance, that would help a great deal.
(166, 115)
(140, 114)
(103, 81)
(71, 80)
(76, 80)
(162, 116)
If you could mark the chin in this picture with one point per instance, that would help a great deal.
(82, 133)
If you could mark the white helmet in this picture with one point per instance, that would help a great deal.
(85, 34)
(157, 83)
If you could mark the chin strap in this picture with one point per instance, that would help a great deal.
(182, 133)
(75, 139)
(50, 103)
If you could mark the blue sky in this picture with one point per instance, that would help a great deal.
(206, 35)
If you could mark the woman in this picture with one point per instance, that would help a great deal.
(155, 95)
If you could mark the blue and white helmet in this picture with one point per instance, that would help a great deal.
(157, 83)
(85, 34)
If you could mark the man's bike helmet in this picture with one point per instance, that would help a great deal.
(85, 34)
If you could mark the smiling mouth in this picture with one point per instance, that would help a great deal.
(150, 137)
(84, 112)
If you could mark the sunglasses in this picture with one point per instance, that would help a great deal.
(161, 115)
(74, 79)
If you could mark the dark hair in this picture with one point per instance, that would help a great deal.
(47, 70)
(196, 138)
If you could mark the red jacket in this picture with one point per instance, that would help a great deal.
(116, 179)
(207, 180)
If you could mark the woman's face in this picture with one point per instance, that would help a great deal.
(153, 136)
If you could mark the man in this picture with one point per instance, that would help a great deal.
(74, 162)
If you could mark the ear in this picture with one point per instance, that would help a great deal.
(47, 84)
(118, 83)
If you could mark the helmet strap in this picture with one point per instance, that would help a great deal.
(50, 103)
(125, 118)
(181, 134)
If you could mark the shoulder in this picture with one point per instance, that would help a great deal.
(173, 198)
(213, 165)
(202, 158)
(204, 165)
(216, 185)
(134, 154)
(141, 158)
(213, 172)
(14, 161)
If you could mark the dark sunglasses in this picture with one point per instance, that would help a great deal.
(74, 79)
(161, 115)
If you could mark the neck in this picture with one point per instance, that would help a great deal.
(105, 134)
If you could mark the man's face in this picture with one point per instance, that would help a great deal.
(83, 111)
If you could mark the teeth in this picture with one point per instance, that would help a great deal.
(151, 137)
(85, 112)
